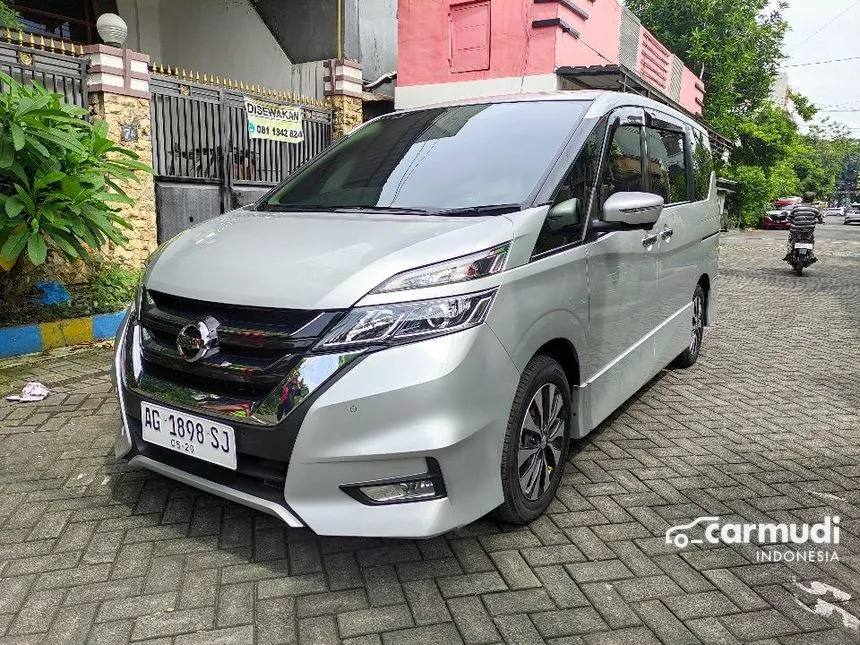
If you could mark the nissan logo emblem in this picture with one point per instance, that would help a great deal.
(198, 339)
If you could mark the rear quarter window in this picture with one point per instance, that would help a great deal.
(703, 164)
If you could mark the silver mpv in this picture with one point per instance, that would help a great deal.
(408, 332)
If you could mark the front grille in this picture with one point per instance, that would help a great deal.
(257, 346)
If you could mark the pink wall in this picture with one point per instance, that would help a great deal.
(600, 35)
(654, 62)
(692, 92)
(516, 48)
(423, 41)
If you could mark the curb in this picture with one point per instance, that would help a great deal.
(31, 339)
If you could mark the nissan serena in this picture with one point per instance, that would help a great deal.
(408, 332)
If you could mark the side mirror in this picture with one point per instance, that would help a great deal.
(632, 209)
(563, 215)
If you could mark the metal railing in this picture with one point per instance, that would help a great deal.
(55, 64)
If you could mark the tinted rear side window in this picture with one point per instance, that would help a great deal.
(703, 164)
(453, 157)
(667, 164)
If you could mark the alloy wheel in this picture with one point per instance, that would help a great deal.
(698, 329)
(541, 441)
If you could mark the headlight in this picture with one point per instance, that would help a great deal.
(408, 321)
(467, 267)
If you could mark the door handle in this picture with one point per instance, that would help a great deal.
(649, 240)
(667, 234)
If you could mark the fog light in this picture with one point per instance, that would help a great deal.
(415, 488)
(418, 489)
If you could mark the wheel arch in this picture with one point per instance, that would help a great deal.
(564, 352)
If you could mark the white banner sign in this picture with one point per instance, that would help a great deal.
(273, 121)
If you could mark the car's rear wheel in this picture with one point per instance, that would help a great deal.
(537, 441)
(689, 356)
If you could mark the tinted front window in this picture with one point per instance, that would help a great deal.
(624, 163)
(442, 158)
(565, 221)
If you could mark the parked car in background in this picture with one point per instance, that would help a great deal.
(834, 211)
(852, 216)
(777, 219)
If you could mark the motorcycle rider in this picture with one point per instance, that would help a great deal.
(803, 218)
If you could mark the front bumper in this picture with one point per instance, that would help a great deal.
(381, 417)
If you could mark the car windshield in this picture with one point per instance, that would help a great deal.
(467, 157)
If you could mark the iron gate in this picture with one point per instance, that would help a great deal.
(205, 163)
(56, 65)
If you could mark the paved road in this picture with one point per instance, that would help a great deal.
(765, 428)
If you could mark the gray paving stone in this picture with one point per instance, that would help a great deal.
(599, 571)
(567, 622)
(758, 625)
(472, 620)
(660, 620)
(319, 630)
(370, 621)
(441, 634)
(331, 602)
(235, 605)
(517, 629)
(605, 599)
(629, 636)
(275, 621)
(38, 612)
(172, 623)
(514, 569)
(426, 602)
(512, 602)
(471, 583)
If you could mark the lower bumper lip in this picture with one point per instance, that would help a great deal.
(220, 490)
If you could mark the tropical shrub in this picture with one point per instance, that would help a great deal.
(59, 176)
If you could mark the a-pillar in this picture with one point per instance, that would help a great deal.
(343, 89)
(118, 85)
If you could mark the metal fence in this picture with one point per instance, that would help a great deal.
(56, 65)
(205, 163)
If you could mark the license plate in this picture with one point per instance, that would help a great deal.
(189, 434)
(803, 245)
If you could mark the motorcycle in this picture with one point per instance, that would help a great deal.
(801, 254)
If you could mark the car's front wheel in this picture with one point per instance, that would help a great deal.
(537, 441)
(689, 356)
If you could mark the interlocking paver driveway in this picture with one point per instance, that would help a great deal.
(765, 428)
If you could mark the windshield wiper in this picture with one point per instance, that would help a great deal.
(319, 208)
(385, 209)
(487, 209)
(297, 208)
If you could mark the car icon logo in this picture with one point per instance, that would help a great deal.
(677, 534)
(198, 339)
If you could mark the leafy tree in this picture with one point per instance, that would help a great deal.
(8, 16)
(59, 175)
(803, 106)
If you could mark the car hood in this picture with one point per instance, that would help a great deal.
(310, 260)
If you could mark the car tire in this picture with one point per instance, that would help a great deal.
(536, 442)
(689, 356)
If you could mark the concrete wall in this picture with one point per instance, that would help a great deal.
(144, 30)
(216, 37)
(222, 38)
(306, 29)
(377, 35)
